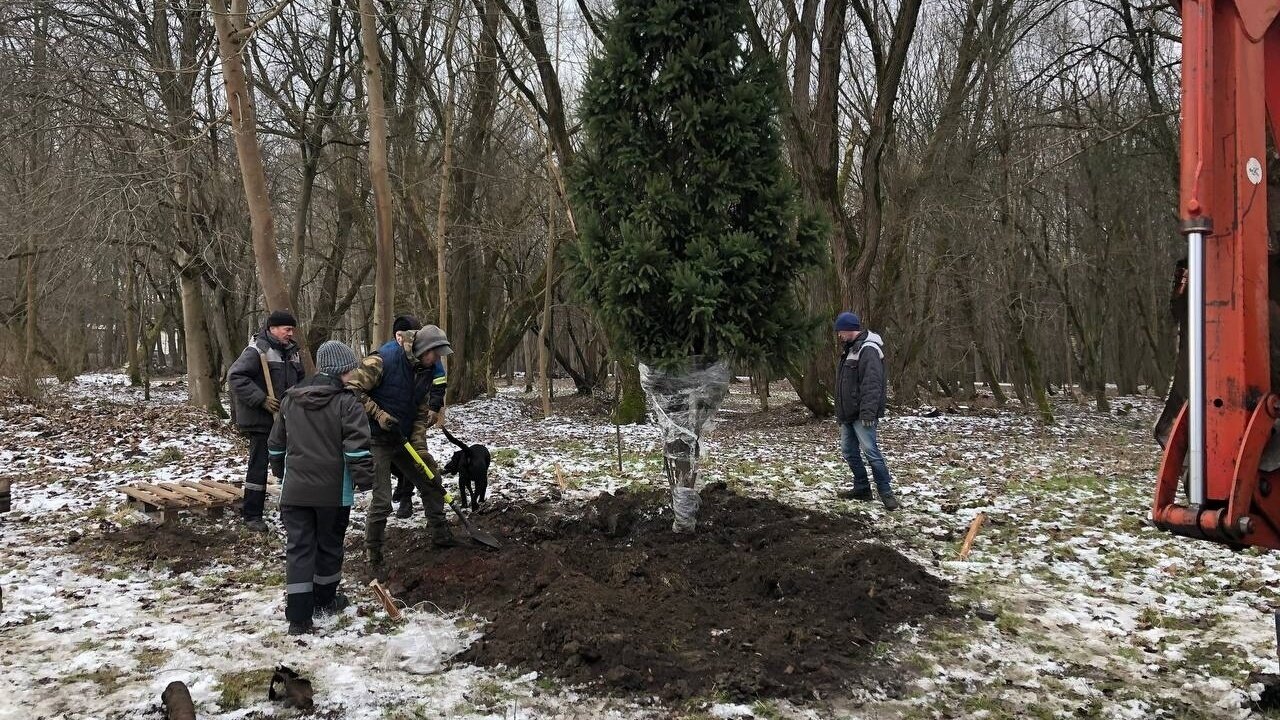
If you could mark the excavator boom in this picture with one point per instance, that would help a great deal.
(1219, 436)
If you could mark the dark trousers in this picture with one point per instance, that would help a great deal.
(255, 479)
(386, 457)
(313, 557)
(404, 487)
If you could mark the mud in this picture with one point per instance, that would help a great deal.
(764, 601)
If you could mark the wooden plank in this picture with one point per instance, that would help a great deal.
(144, 508)
(143, 495)
(235, 490)
(205, 500)
(174, 498)
(214, 489)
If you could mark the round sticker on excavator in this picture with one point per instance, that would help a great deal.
(1253, 169)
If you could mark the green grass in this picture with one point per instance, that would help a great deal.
(107, 679)
(150, 659)
(504, 456)
(240, 689)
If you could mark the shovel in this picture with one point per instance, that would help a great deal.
(479, 536)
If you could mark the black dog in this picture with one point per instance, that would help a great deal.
(471, 463)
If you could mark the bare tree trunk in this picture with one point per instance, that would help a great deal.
(879, 135)
(384, 288)
(131, 322)
(1031, 365)
(29, 349)
(446, 168)
(631, 408)
(545, 330)
(231, 21)
(202, 386)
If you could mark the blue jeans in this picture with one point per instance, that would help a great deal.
(855, 440)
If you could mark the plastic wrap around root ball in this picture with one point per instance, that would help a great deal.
(684, 404)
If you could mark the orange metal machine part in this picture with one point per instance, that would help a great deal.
(1230, 87)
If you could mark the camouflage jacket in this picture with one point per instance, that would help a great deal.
(396, 390)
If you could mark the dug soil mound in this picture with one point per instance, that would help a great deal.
(764, 601)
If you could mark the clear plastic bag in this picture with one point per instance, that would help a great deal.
(684, 404)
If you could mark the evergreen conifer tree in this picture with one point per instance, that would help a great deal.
(691, 233)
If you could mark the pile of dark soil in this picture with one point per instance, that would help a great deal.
(765, 600)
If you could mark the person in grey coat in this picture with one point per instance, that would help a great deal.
(254, 409)
(860, 403)
(319, 448)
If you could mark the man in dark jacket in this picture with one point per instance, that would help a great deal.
(320, 449)
(394, 386)
(860, 403)
(403, 495)
(254, 408)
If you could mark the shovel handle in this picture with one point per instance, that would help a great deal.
(266, 375)
(408, 446)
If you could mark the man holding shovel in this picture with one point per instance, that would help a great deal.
(258, 380)
(403, 495)
(394, 385)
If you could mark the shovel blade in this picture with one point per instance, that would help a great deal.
(480, 536)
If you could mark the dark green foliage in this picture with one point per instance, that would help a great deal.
(691, 234)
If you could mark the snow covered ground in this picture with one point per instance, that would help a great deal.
(1095, 613)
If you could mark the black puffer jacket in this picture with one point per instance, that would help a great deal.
(249, 390)
(322, 441)
(860, 379)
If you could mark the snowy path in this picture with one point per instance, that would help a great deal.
(1097, 614)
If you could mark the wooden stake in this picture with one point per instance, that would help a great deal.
(384, 597)
(973, 533)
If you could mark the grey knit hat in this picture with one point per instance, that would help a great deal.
(431, 337)
(335, 358)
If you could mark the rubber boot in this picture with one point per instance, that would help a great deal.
(374, 535)
(405, 508)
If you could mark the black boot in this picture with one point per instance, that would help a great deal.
(405, 508)
(334, 607)
(860, 495)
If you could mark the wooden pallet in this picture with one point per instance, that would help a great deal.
(163, 501)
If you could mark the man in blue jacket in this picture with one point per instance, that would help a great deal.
(860, 403)
(394, 385)
(403, 495)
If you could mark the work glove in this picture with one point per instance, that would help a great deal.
(868, 423)
(386, 420)
(436, 419)
(277, 467)
(271, 405)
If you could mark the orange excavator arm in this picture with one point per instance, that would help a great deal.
(1230, 87)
